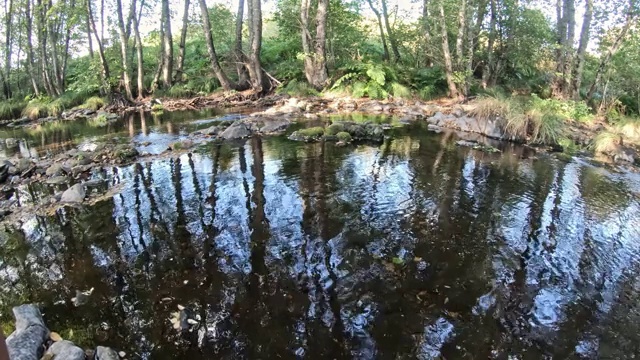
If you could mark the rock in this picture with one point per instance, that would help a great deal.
(181, 145)
(56, 169)
(275, 126)
(54, 336)
(237, 130)
(457, 112)
(11, 143)
(624, 155)
(66, 350)
(106, 353)
(82, 158)
(211, 131)
(434, 128)
(466, 143)
(125, 152)
(23, 165)
(4, 170)
(57, 180)
(122, 354)
(73, 195)
(26, 342)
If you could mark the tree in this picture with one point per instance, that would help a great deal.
(313, 47)
(226, 83)
(582, 49)
(126, 74)
(183, 39)
(167, 61)
(448, 64)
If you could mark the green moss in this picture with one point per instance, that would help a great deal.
(157, 108)
(334, 129)
(344, 136)
(312, 132)
(93, 103)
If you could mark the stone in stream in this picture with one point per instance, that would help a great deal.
(106, 353)
(4, 170)
(274, 126)
(11, 143)
(64, 349)
(74, 194)
(55, 169)
(211, 131)
(237, 130)
(23, 165)
(57, 180)
(26, 342)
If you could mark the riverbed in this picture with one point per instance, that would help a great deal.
(269, 248)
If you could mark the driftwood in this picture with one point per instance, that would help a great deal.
(236, 99)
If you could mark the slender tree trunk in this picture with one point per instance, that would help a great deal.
(215, 64)
(103, 59)
(156, 77)
(392, 37)
(65, 55)
(488, 66)
(8, 7)
(462, 24)
(167, 70)
(568, 52)
(42, 46)
(582, 49)
(383, 38)
(606, 59)
(241, 68)
(30, 66)
(138, 39)
(89, 36)
(315, 60)
(126, 67)
(448, 65)
(427, 33)
(183, 39)
(255, 39)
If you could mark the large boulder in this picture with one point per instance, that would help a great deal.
(65, 350)
(237, 130)
(73, 195)
(26, 342)
(275, 126)
(56, 169)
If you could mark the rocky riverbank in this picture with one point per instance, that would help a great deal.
(32, 340)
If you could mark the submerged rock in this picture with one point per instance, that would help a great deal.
(237, 130)
(74, 194)
(26, 342)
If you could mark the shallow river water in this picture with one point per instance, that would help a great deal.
(414, 248)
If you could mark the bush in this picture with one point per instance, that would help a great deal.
(344, 137)
(36, 109)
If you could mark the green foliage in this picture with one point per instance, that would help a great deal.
(98, 121)
(157, 108)
(566, 109)
(11, 109)
(298, 89)
(366, 80)
(344, 137)
(93, 103)
(607, 142)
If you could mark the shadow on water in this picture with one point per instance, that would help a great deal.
(414, 248)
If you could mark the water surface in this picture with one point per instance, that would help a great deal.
(414, 248)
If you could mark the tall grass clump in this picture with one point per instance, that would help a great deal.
(11, 109)
(93, 103)
(607, 142)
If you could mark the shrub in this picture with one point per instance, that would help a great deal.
(344, 137)
(36, 109)
(607, 142)
(298, 89)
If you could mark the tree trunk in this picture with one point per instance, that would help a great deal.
(448, 65)
(383, 38)
(167, 69)
(392, 38)
(156, 77)
(582, 49)
(138, 39)
(42, 46)
(255, 39)
(103, 59)
(8, 8)
(30, 67)
(315, 67)
(462, 24)
(89, 36)
(65, 56)
(489, 66)
(606, 59)
(427, 33)
(243, 75)
(568, 47)
(215, 64)
(183, 39)
(126, 67)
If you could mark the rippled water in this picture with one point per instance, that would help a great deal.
(414, 248)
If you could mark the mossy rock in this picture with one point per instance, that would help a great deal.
(125, 152)
(334, 129)
(344, 137)
(308, 134)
